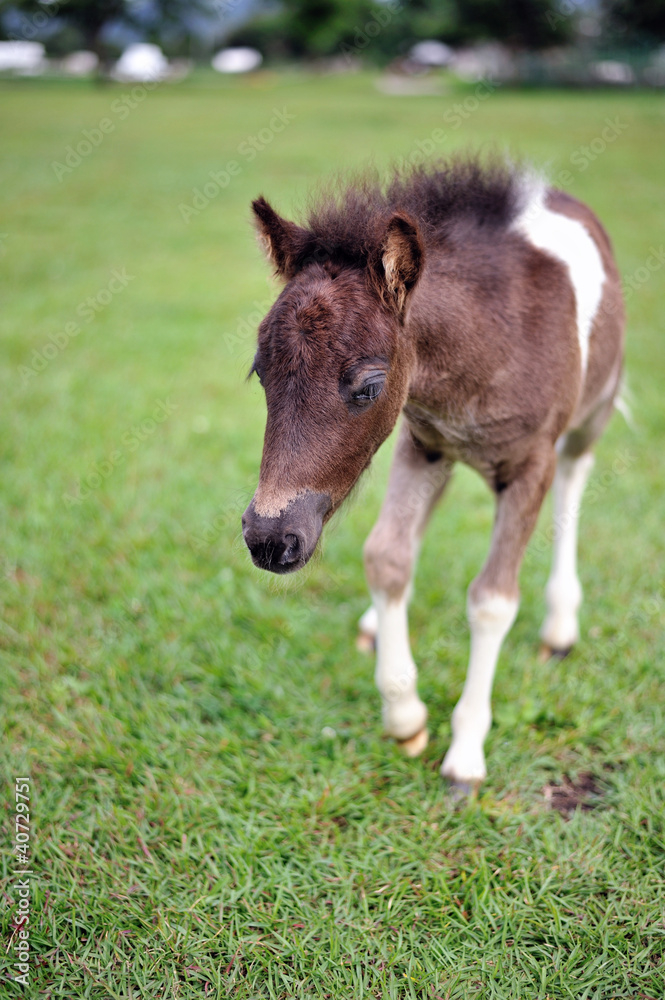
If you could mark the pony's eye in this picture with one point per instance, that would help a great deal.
(361, 387)
(369, 392)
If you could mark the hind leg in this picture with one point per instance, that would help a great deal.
(368, 626)
(563, 593)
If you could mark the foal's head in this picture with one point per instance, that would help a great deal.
(334, 363)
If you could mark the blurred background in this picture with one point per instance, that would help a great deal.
(217, 812)
(532, 41)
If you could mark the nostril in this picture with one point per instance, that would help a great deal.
(291, 551)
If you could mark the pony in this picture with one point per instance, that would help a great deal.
(485, 308)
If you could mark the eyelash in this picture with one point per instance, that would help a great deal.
(369, 392)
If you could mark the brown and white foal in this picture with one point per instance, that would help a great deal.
(485, 307)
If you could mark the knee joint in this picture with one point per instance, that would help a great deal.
(388, 562)
(489, 610)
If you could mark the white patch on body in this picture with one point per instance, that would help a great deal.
(404, 714)
(563, 593)
(490, 620)
(568, 241)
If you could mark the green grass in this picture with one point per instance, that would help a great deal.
(199, 829)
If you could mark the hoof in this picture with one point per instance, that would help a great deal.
(414, 746)
(460, 791)
(463, 768)
(549, 653)
(366, 643)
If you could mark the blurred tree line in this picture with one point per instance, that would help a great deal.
(106, 27)
(387, 28)
(319, 28)
(313, 29)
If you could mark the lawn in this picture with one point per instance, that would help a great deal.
(213, 809)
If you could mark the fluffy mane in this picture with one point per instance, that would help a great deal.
(346, 221)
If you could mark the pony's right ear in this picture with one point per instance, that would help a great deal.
(282, 240)
(402, 258)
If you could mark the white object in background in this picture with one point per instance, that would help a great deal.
(237, 60)
(80, 63)
(431, 53)
(479, 62)
(141, 62)
(611, 71)
(26, 58)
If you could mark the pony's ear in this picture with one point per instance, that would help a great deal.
(402, 257)
(281, 239)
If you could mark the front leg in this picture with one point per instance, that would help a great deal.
(492, 606)
(417, 479)
(490, 617)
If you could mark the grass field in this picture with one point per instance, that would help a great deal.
(214, 811)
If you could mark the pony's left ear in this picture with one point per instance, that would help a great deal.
(281, 239)
(402, 257)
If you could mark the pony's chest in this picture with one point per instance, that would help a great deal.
(475, 439)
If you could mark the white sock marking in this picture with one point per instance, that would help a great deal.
(490, 621)
(564, 593)
(404, 714)
(570, 242)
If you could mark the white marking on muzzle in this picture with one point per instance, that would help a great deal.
(271, 501)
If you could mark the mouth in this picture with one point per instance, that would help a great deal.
(281, 569)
